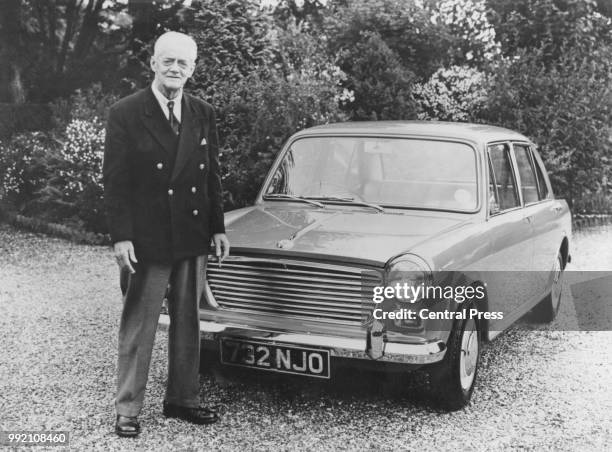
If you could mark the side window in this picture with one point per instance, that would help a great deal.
(542, 187)
(529, 185)
(503, 194)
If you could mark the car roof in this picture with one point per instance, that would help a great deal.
(479, 133)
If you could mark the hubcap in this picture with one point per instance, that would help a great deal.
(469, 355)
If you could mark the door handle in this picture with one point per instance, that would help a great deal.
(557, 208)
(528, 218)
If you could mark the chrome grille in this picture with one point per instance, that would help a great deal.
(324, 292)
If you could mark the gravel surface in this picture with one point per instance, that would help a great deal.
(539, 388)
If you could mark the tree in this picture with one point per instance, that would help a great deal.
(232, 37)
(265, 85)
(405, 27)
(605, 7)
(309, 13)
(381, 85)
(11, 48)
(55, 46)
(566, 108)
(549, 25)
(474, 42)
(383, 46)
(554, 86)
(149, 20)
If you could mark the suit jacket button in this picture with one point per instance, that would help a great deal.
(201, 166)
(160, 165)
(193, 189)
(195, 212)
(170, 192)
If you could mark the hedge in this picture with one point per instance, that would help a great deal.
(16, 118)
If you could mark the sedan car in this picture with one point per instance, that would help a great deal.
(388, 242)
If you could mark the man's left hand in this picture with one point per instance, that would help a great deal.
(222, 246)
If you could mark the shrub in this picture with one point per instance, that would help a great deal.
(599, 202)
(474, 40)
(232, 39)
(384, 47)
(82, 154)
(552, 26)
(26, 162)
(566, 108)
(262, 111)
(454, 94)
(88, 104)
(419, 43)
(264, 86)
(73, 193)
(56, 176)
(78, 182)
(17, 118)
(381, 85)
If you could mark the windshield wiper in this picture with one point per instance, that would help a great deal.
(294, 198)
(349, 201)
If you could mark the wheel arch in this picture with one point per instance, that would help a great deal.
(482, 306)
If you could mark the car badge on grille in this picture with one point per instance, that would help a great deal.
(285, 244)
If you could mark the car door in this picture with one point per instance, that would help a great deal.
(542, 211)
(509, 262)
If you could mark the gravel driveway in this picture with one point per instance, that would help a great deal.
(538, 389)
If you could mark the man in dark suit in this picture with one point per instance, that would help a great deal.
(163, 200)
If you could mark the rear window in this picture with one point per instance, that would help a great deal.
(529, 184)
(503, 194)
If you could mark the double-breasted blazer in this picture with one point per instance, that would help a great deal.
(162, 192)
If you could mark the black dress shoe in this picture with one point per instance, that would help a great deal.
(127, 426)
(193, 415)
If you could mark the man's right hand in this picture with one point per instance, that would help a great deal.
(124, 254)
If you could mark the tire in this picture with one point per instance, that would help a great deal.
(546, 310)
(452, 380)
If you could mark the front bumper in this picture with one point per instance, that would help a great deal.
(339, 347)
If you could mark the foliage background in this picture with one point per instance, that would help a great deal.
(271, 68)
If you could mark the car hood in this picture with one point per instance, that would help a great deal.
(345, 233)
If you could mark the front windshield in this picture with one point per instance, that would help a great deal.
(396, 172)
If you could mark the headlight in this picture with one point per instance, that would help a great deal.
(406, 278)
(406, 274)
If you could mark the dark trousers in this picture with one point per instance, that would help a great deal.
(142, 304)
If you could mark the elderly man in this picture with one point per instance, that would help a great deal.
(163, 202)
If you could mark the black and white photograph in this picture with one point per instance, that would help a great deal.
(323, 225)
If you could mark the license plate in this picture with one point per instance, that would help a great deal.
(289, 359)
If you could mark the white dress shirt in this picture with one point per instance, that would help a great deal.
(163, 103)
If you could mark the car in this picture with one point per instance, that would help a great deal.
(353, 217)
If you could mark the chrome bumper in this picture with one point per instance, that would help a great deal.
(339, 347)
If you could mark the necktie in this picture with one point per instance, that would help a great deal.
(174, 123)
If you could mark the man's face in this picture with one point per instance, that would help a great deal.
(173, 65)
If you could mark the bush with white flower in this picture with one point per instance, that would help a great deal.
(78, 181)
(56, 176)
(454, 94)
(467, 21)
(83, 152)
(24, 165)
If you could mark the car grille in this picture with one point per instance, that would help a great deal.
(324, 292)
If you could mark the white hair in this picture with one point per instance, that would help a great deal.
(174, 38)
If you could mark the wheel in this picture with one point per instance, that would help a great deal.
(452, 380)
(547, 309)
